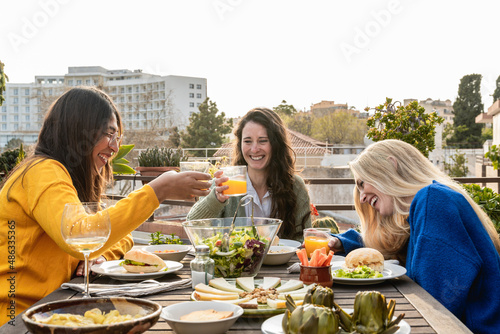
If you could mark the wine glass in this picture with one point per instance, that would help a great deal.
(85, 228)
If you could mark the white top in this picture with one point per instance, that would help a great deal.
(260, 209)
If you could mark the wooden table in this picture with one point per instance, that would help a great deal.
(422, 312)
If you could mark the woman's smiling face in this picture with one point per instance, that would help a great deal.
(379, 201)
(105, 148)
(255, 146)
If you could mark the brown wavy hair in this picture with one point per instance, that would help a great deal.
(281, 169)
(72, 127)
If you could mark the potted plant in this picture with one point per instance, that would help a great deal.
(119, 163)
(155, 161)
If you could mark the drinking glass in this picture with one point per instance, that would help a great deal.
(195, 166)
(315, 238)
(85, 228)
(237, 180)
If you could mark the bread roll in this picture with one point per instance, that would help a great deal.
(365, 256)
(152, 262)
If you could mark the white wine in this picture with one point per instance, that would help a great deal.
(86, 244)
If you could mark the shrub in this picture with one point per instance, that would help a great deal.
(161, 157)
(488, 200)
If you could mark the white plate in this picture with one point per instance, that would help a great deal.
(390, 271)
(273, 325)
(288, 242)
(263, 309)
(115, 271)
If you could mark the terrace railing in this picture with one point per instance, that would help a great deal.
(482, 181)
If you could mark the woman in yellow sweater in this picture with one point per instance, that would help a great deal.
(81, 132)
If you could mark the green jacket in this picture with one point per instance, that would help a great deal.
(210, 207)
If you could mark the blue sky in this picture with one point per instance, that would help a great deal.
(257, 52)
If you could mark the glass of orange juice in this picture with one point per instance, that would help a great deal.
(315, 238)
(237, 180)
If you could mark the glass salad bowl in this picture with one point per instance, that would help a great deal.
(237, 252)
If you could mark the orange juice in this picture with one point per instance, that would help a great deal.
(314, 242)
(236, 187)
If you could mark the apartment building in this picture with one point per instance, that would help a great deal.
(146, 101)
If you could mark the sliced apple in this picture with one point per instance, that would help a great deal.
(221, 284)
(271, 282)
(208, 289)
(247, 283)
(290, 286)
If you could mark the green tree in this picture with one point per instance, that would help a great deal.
(174, 140)
(407, 123)
(339, 127)
(206, 128)
(458, 167)
(494, 155)
(300, 122)
(285, 109)
(467, 106)
(14, 143)
(3, 82)
(486, 134)
(496, 93)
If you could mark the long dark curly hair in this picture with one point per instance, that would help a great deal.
(281, 169)
(72, 127)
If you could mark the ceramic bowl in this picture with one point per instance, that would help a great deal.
(248, 244)
(162, 251)
(173, 313)
(149, 311)
(279, 255)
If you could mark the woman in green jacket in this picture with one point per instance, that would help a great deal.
(263, 145)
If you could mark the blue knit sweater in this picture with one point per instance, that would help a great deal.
(451, 256)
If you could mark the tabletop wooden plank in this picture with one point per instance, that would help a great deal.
(419, 307)
(438, 317)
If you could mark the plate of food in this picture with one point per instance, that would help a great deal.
(365, 266)
(273, 325)
(256, 296)
(288, 242)
(137, 265)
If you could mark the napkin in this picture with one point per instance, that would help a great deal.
(295, 268)
(147, 287)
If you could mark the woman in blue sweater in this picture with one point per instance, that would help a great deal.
(411, 211)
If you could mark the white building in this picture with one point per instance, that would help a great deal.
(146, 101)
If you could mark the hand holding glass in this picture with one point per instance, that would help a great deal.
(85, 228)
(315, 238)
(237, 180)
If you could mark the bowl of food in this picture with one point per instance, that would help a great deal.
(237, 252)
(279, 255)
(201, 317)
(93, 315)
(169, 252)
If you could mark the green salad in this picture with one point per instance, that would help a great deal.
(245, 254)
(359, 272)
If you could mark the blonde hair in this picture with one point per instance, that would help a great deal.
(400, 170)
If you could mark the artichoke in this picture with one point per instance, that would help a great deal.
(371, 315)
(309, 318)
(319, 295)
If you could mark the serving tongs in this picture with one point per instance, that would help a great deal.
(225, 238)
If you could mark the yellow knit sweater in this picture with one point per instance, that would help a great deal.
(34, 259)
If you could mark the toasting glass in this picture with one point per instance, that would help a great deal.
(85, 227)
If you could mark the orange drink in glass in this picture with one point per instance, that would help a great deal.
(237, 180)
(315, 238)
